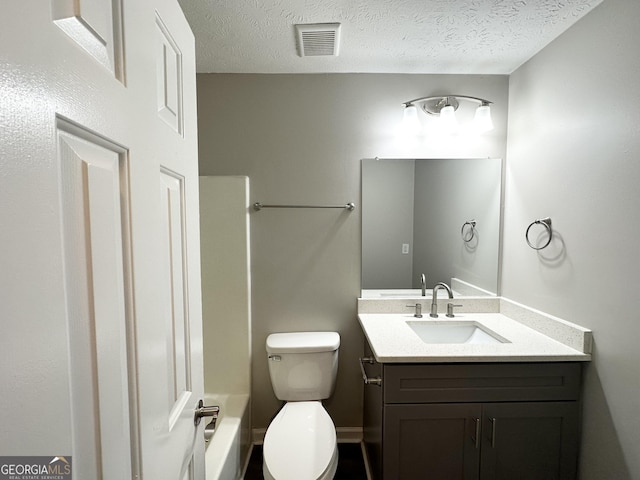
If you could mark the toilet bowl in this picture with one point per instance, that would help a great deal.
(300, 444)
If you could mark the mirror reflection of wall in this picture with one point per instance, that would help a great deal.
(413, 211)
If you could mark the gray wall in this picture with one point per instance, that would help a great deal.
(574, 155)
(449, 193)
(300, 139)
(387, 223)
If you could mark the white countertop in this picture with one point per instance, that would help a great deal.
(393, 341)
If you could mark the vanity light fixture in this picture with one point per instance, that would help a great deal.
(445, 107)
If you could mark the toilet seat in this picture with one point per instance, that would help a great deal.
(300, 444)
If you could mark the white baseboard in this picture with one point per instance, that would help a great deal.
(257, 435)
(349, 434)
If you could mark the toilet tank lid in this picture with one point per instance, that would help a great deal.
(303, 342)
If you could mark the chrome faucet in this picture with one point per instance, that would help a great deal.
(434, 302)
(423, 283)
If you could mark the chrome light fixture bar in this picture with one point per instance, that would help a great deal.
(445, 106)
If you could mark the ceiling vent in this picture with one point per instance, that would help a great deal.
(318, 39)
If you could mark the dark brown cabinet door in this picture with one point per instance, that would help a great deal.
(529, 441)
(435, 441)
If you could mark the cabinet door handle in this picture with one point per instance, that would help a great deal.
(476, 440)
(493, 431)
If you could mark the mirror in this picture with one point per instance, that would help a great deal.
(437, 217)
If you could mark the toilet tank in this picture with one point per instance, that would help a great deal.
(303, 365)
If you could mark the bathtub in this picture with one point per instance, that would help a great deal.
(226, 452)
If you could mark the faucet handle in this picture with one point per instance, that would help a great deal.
(418, 307)
(450, 307)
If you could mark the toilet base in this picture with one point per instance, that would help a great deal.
(300, 444)
(327, 475)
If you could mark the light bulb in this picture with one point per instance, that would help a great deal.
(482, 120)
(410, 121)
(448, 120)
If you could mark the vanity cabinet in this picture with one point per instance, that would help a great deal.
(479, 421)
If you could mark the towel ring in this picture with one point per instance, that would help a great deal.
(471, 231)
(546, 223)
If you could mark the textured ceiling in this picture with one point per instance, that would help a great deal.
(386, 36)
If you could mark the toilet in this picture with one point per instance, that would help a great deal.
(300, 443)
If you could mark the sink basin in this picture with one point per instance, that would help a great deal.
(469, 332)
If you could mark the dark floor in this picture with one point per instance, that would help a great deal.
(350, 463)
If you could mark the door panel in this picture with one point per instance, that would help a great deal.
(96, 26)
(169, 77)
(176, 317)
(97, 315)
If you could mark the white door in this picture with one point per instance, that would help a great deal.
(100, 340)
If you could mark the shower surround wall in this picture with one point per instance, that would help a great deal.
(226, 284)
(300, 139)
(226, 319)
